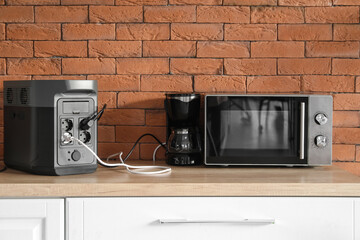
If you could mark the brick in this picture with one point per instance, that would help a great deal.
(140, 2)
(88, 66)
(1, 135)
(2, 31)
(57, 77)
(196, 66)
(346, 2)
(223, 49)
(61, 14)
(195, 2)
(332, 14)
(171, 14)
(214, 83)
(2, 66)
(60, 48)
(18, 14)
(147, 150)
(304, 66)
(33, 32)
(123, 117)
(132, 133)
(141, 100)
(32, 2)
(251, 32)
(142, 66)
(106, 134)
(273, 84)
(115, 14)
(155, 118)
(316, 83)
(343, 32)
(342, 152)
(142, 31)
(223, 14)
(87, 2)
(348, 101)
(305, 3)
(276, 15)
(166, 83)
(34, 66)
(346, 135)
(196, 31)
(277, 49)
(250, 2)
(107, 149)
(346, 67)
(357, 153)
(347, 119)
(16, 49)
(88, 31)
(108, 98)
(357, 84)
(11, 78)
(169, 48)
(250, 66)
(117, 82)
(114, 49)
(332, 49)
(305, 32)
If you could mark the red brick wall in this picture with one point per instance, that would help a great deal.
(140, 49)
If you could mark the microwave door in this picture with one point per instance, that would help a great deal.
(255, 130)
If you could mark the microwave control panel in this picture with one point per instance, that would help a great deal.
(320, 130)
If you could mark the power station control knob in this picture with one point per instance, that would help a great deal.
(320, 141)
(321, 118)
(76, 155)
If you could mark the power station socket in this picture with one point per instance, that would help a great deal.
(85, 136)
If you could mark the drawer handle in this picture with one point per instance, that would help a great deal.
(242, 221)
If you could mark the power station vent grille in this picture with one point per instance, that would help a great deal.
(9, 95)
(24, 96)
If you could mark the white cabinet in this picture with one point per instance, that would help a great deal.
(194, 218)
(31, 219)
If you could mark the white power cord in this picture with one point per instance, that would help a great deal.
(67, 138)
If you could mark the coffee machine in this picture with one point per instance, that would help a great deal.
(183, 141)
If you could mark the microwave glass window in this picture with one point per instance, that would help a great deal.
(252, 129)
(263, 129)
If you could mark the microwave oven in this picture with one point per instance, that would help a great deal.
(288, 130)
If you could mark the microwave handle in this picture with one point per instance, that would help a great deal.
(302, 130)
(240, 221)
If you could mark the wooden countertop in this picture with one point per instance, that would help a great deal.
(186, 181)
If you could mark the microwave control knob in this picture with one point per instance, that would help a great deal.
(321, 118)
(320, 141)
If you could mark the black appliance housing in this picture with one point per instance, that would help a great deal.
(183, 139)
(36, 115)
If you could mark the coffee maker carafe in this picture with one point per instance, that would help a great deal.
(183, 141)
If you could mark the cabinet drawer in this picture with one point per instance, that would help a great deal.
(194, 218)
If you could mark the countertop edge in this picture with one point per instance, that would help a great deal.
(180, 189)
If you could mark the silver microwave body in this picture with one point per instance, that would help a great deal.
(268, 130)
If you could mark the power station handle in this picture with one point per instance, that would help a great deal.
(241, 221)
(302, 130)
